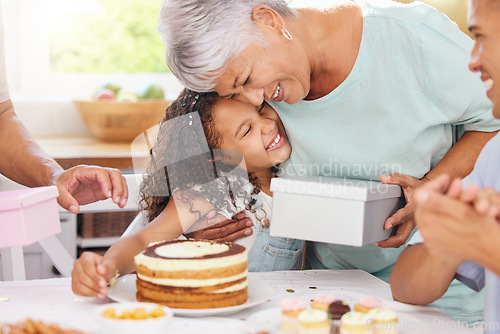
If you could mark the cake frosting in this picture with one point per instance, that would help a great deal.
(370, 302)
(355, 319)
(324, 298)
(382, 314)
(292, 304)
(290, 309)
(383, 321)
(192, 274)
(366, 304)
(312, 315)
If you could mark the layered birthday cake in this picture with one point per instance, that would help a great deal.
(192, 274)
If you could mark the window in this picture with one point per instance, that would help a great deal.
(70, 47)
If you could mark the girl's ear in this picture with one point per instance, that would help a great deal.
(267, 16)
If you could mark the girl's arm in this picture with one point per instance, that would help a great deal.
(170, 224)
(91, 272)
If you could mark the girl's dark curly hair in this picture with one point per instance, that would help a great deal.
(180, 160)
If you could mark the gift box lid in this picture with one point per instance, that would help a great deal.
(16, 199)
(335, 187)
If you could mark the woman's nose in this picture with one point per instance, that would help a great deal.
(253, 96)
(268, 126)
(474, 61)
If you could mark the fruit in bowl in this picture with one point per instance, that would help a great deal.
(124, 96)
(117, 114)
(112, 86)
(105, 94)
(120, 121)
(152, 91)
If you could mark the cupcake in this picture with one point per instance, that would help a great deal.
(290, 309)
(384, 321)
(322, 301)
(355, 323)
(335, 311)
(313, 321)
(364, 305)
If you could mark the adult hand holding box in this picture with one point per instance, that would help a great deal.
(333, 210)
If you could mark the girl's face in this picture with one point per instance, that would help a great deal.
(257, 132)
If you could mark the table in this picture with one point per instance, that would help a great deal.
(52, 301)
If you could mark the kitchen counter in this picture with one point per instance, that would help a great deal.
(71, 151)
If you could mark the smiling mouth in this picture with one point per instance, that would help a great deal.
(276, 92)
(488, 83)
(274, 142)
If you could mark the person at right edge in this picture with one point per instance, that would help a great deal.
(459, 220)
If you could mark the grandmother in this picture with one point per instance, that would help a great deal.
(365, 89)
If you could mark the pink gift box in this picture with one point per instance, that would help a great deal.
(28, 215)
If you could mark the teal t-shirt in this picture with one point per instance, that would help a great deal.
(395, 112)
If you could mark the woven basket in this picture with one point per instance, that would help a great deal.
(120, 121)
(104, 224)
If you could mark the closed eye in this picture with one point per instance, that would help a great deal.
(249, 128)
(262, 107)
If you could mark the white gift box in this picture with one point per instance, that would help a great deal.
(333, 210)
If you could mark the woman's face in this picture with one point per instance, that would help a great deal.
(279, 72)
(257, 132)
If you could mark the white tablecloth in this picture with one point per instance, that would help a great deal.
(52, 301)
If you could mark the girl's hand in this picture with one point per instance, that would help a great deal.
(226, 230)
(90, 275)
(403, 218)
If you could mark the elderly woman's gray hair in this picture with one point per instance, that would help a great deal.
(202, 35)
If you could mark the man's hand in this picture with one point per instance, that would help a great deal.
(221, 229)
(485, 201)
(82, 185)
(403, 218)
(451, 227)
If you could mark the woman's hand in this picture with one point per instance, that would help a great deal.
(403, 218)
(221, 229)
(90, 275)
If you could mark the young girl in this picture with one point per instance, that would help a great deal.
(171, 195)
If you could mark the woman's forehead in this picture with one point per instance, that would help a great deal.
(236, 68)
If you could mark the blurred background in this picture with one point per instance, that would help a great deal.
(455, 9)
(62, 47)
(61, 50)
